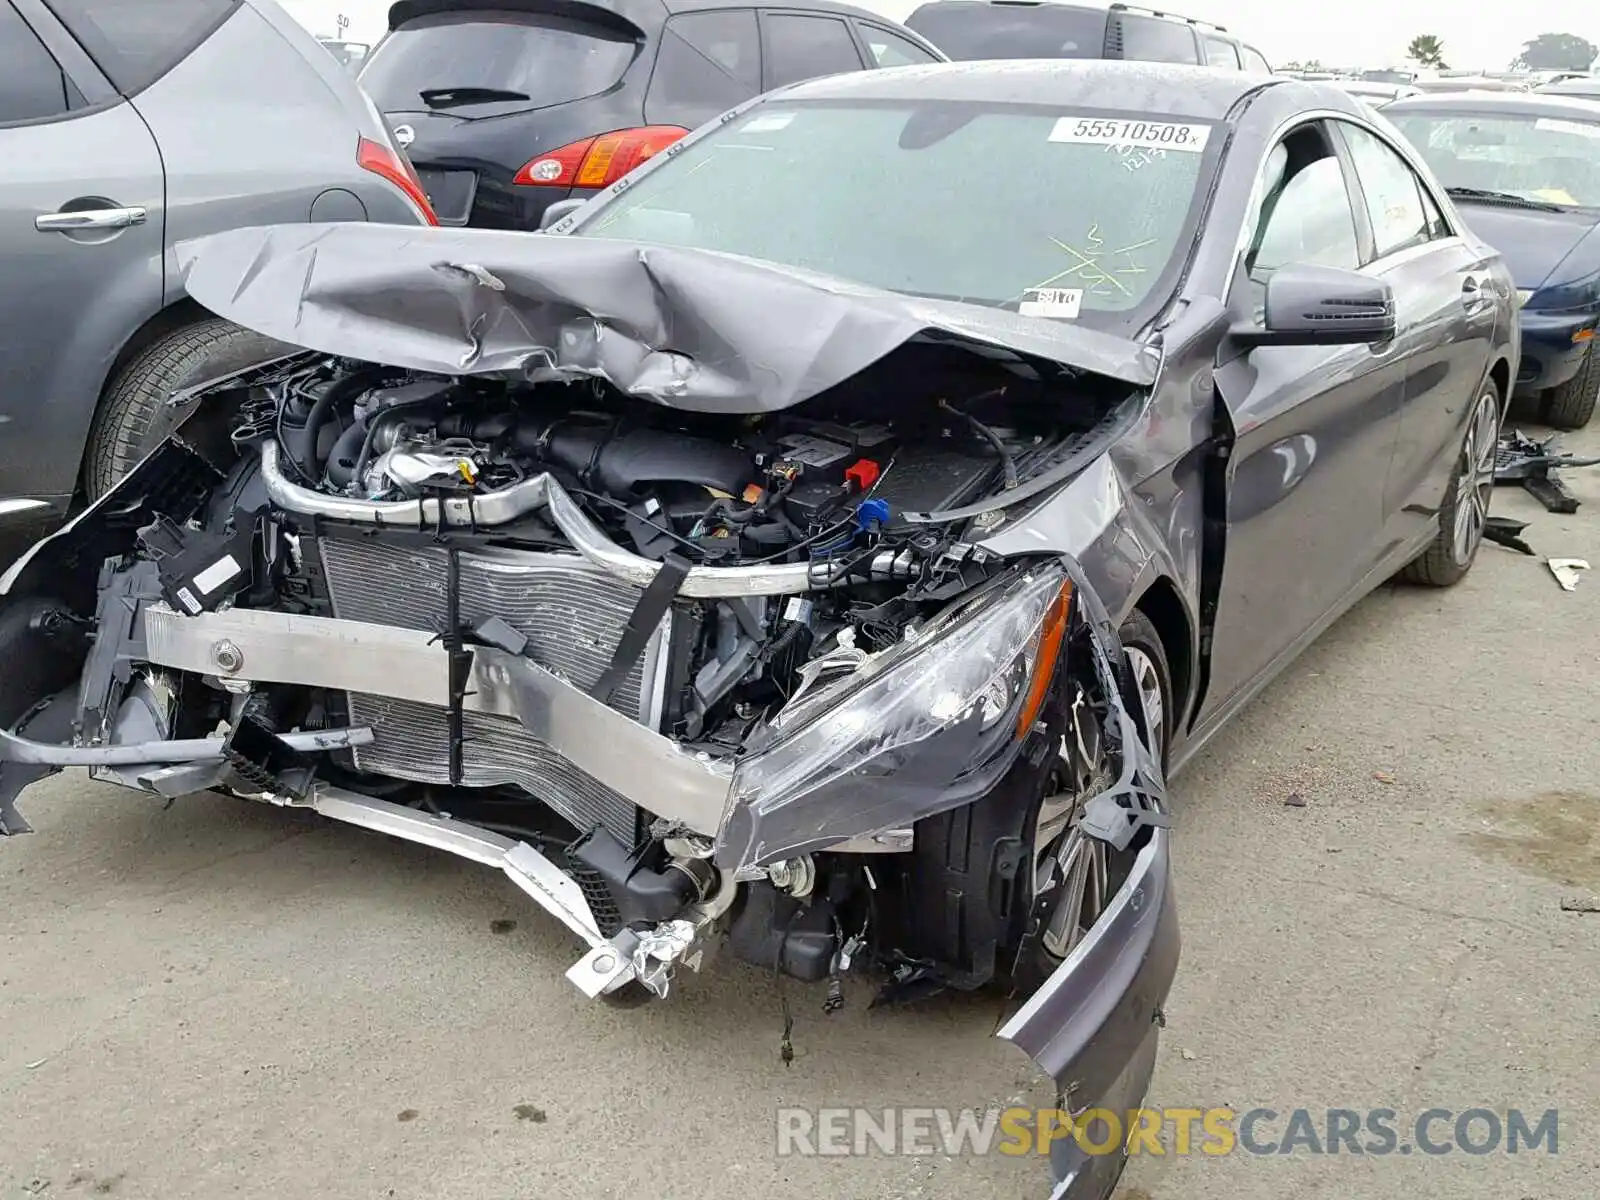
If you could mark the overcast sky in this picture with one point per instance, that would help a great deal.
(1346, 32)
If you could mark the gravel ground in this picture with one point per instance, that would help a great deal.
(222, 998)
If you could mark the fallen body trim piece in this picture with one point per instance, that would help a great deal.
(406, 664)
(1099, 1004)
(608, 964)
(544, 493)
(522, 864)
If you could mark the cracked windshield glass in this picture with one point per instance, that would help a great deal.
(1044, 212)
(1539, 158)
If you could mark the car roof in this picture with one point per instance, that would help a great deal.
(1202, 92)
(1533, 104)
(645, 14)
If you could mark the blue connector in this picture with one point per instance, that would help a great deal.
(872, 515)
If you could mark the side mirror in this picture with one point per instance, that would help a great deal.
(1309, 305)
(558, 210)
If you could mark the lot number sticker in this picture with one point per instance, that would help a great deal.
(1061, 303)
(1146, 135)
(768, 122)
(1576, 128)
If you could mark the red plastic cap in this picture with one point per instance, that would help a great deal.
(381, 160)
(598, 161)
(863, 473)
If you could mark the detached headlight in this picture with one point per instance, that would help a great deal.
(880, 755)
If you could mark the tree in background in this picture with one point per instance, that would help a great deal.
(1426, 50)
(1557, 52)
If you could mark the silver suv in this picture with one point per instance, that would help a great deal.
(126, 129)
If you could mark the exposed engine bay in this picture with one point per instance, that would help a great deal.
(666, 669)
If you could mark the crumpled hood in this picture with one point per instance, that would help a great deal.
(691, 329)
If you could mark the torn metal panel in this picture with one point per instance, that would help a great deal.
(1092, 1016)
(690, 329)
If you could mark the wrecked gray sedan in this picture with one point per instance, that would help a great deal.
(781, 574)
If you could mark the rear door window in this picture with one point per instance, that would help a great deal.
(966, 33)
(890, 49)
(32, 84)
(483, 62)
(1219, 52)
(1392, 192)
(1154, 39)
(803, 47)
(708, 62)
(136, 42)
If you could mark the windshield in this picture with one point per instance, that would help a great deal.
(982, 203)
(1556, 160)
(461, 60)
(967, 32)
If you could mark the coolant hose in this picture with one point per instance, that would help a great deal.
(304, 450)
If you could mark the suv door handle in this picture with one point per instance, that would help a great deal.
(93, 218)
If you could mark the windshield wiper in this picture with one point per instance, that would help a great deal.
(1511, 198)
(451, 97)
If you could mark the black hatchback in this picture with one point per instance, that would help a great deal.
(507, 106)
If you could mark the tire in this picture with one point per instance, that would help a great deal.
(1572, 404)
(1139, 636)
(133, 416)
(1149, 683)
(964, 894)
(1454, 548)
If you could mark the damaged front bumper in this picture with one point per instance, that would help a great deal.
(1090, 1026)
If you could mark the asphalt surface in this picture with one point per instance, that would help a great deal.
(225, 999)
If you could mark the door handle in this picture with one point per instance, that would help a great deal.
(1477, 292)
(92, 218)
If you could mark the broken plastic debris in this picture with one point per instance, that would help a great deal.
(1580, 904)
(1566, 571)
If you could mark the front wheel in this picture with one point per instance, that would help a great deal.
(1075, 875)
(1465, 511)
(134, 415)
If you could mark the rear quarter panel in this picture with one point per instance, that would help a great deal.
(256, 124)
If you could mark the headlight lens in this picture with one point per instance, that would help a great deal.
(993, 664)
(1523, 296)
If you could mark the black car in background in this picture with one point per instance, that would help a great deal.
(979, 29)
(507, 106)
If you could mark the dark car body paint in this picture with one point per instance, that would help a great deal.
(496, 141)
(1554, 255)
(1233, 473)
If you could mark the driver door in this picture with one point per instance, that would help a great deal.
(1315, 428)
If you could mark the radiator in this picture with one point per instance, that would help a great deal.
(573, 615)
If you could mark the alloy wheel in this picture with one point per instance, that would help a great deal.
(1476, 482)
(1066, 856)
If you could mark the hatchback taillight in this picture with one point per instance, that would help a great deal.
(381, 160)
(600, 161)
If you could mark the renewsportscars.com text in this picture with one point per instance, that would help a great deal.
(846, 1132)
